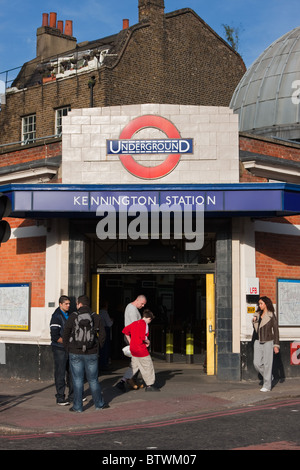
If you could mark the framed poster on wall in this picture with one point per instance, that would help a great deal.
(15, 306)
(288, 302)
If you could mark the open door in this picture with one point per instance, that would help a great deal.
(210, 325)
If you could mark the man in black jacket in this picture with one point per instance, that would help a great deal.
(62, 376)
(84, 358)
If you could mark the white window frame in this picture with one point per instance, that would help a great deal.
(59, 113)
(28, 129)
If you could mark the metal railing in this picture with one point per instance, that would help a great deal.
(6, 77)
(31, 141)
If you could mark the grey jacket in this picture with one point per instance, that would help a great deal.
(267, 328)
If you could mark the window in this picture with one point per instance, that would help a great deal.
(58, 121)
(28, 129)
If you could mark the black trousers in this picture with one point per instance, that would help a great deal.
(62, 374)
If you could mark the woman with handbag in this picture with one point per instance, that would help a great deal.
(266, 342)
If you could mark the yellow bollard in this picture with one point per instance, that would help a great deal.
(189, 348)
(169, 347)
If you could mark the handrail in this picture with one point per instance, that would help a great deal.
(31, 141)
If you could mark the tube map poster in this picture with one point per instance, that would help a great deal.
(14, 307)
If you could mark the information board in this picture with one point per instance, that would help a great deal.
(14, 307)
(288, 302)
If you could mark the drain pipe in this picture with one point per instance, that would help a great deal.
(91, 84)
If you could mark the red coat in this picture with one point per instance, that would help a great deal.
(138, 332)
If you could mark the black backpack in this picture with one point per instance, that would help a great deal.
(84, 334)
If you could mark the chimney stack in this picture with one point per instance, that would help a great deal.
(54, 24)
(125, 24)
(151, 10)
(52, 39)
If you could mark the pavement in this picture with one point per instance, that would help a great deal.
(28, 406)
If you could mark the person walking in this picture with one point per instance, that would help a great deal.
(266, 340)
(83, 334)
(105, 350)
(62, 376)
(131, 315)
(137, 334)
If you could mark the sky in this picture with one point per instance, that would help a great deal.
(258, 22)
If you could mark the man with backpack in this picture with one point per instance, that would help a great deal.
(83, 334)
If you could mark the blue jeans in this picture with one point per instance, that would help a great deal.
(88, 364)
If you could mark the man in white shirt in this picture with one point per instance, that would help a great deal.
(131, 314)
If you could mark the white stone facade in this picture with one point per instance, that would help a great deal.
(214, 131)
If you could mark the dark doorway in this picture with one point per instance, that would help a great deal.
(178, 302)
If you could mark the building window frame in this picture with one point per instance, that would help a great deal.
(59, 114)
(28, 129)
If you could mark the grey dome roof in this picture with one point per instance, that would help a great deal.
(267, 98)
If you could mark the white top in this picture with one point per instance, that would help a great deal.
(131, 314)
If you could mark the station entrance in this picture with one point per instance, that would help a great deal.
(179, 286)
(183, 305)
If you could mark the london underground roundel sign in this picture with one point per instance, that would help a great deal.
(161, 169)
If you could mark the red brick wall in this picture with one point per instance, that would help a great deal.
(268, 146)
(24, 260)
(276, 256)
(265, 146)
(247, 177)
(30, 153)
(14, 223)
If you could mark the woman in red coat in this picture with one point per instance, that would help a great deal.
(137, 335)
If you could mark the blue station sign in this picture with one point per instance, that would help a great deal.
(217, 200)
(142, 147)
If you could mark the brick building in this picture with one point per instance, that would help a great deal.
(67, 115)
(173, 58)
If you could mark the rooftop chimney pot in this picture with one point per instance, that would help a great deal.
(69, 28)
(125, 24)
(45, 19)
(53, 19)
(60, 26)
